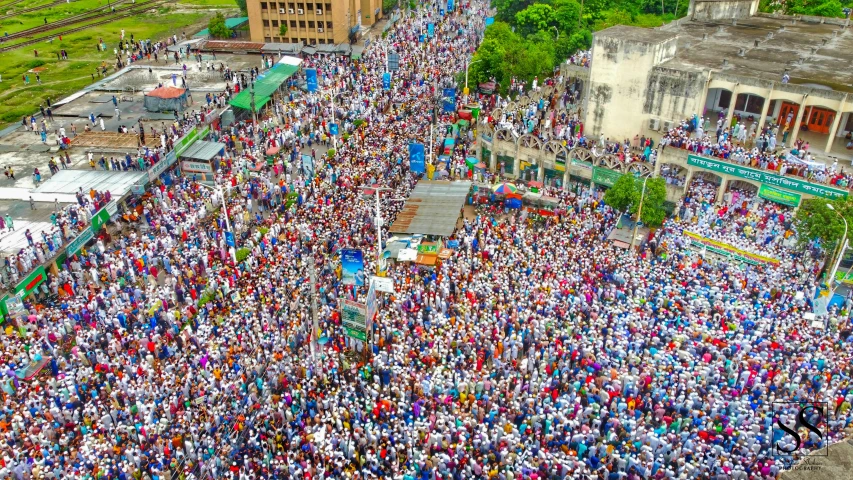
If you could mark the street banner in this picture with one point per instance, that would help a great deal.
(311, 79)
(352, 267)
(417, 158)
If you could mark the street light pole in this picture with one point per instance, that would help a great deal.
(639, 215)
(379, 260)
(842, 248)
(466, 76)
(232, 250)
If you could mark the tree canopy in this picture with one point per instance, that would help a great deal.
(217, 28)
(820, 8)
(626, 194)
(816, 221)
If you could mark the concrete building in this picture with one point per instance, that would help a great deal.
(725, 57)
(312, 23)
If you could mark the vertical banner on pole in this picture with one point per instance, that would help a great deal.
(333, 128)
(386, 81)
(430, 30)
(311, 79)
(417, 157)
(449, 100)
(449, 6)
(352, 267)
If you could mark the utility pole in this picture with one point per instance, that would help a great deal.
(232, 250)
(380, 271)
(639, 215)
(312, 275)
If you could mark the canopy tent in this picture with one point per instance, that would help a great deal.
(166, 99)
(432, 209)
(265, 86)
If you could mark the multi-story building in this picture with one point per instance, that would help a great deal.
(312, 23)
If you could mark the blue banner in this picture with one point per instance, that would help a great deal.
(352, 267)
(386, 81)
(490, 20)
(311, 79)
(449, 6)
(308, 166)
(333, 128)
(430, 30)
(441, 11)
(417, 158)
(229, 239)
(421, 39)
(449, 99)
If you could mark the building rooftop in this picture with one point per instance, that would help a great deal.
(635, 34)
(816, 54)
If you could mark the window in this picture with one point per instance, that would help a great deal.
(329, 25)
(310, 24)
(328, 7)
(300, 6)
(275, 23)
(313, 41)
(302, 24)
(263, 5)
(309, 6)
(268, 39)
(291, 6)
(293, 24)
(848, 127)
(725, 99)
(266, 23)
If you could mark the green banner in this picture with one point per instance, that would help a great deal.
(605, 176)
(773, 179)
(31, 282)
(779, 196)
(486, 156)
(581, 164)
(78, 242)
(724, 253)
(428, 249)
(100, 218)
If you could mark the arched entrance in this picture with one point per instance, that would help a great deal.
(717, 102)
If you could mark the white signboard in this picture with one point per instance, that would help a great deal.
(202, 167)
(383, 284)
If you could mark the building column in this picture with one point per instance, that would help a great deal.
(689, 179)
(566, 177)
(658, 161)
(540, 171)
(732, 104)
(724, 185)
(836, 123)
(493, 159)
(764, 110)
(792, 136)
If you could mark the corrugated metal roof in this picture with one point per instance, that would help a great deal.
(283, 47)
(203, 150)
(433, 208)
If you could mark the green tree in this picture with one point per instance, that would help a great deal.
(535, 18)
(653, 213)
(282, 29)
(241, 4)
(388, 5)
(505, 10)
(216, 27)
(816, 221)
(621, 195)
(567, 14)
(820, 8)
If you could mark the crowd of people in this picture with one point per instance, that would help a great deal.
(748, 145)
(537, 350)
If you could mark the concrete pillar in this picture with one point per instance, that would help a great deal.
(540, 171)
(835, 124)
(566, 177)
(657, 166)
(764, 111)
(732, 104)
(493, 159)
(724, 185)
(792, 136)
(689, 179)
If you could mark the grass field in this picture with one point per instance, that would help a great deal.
(55, 13)
(61, 78)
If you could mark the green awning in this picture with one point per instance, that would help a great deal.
(264, 87)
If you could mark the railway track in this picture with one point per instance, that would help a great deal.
(10, 4)
(107, 18)
(27, 10)
(80, 17)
